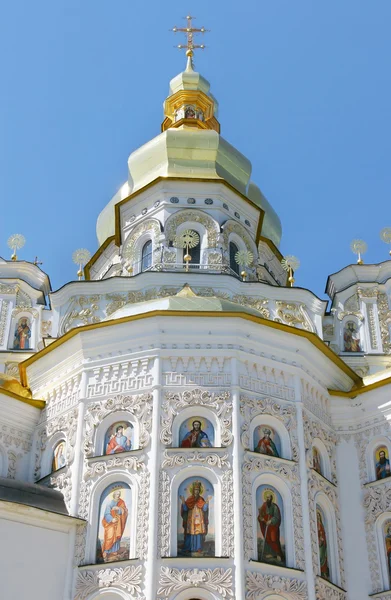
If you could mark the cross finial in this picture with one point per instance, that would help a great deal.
(190, 31)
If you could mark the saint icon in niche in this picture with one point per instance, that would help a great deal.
(382, 463)
(190, 113)
(59, 460)
(322, 544)
(22, 334)
(118, 438)
(114, 526)
(351, 338)
(267, 441)
(196, 433)
(196, 535)
(271, 542)
(387, 539)
(316, 461)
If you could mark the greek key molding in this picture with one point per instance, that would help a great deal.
(135, 466)
(315, 429)
(324, 589)
(252, 467)
(260, 586)
(286, 413)
(62, 397)
(121, 378)
(215, 580)
(316, 484)
(220, 403)
(140, 406)
(264, 380)
(125, 578)
(227, 509)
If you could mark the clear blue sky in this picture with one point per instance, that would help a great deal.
(304, 90)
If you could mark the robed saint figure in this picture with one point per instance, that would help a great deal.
(114, 522)
(195, 518)
(269, 518)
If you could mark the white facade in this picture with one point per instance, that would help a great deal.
(143, 341)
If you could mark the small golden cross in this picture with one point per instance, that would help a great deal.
(189, 31)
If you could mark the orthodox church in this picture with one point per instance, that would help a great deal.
(182, 423)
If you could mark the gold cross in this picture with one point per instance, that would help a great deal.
(190, 31)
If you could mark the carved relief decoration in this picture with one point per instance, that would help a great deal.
(215, 580)
(12, 369)
(316, 484)
(234, 227)
(8, 288)
(219, 403)
(264, 380)
(130, 249)
(3, 320)
(293, 314)
(117, 301)
(315, 429)
(198, 216)
(46, 327)
(286, 413)
(15, 437)
(125, 578)
(260, 586)
(62, 397)
(140, 406)
(372, 326)
(252, 467)
(384, 322)
(324, 589)
(316, 402)
(135, 466)
(66, 424)
(82, 311)
(213, 460)
(120, 378)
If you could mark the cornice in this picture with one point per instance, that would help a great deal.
(97, 254)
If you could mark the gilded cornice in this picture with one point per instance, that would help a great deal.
(311, 337)
(35, 403)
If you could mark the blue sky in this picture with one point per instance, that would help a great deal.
(304, 92)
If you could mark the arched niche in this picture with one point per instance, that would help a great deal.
(327, 530)
(192, 413)
(109, 594)
(235, 232)
(111, 421)
(383, 538)
(275, 425)
(149, 229)
(47, 461)
(116, 478)
(351, 335)
(198, 253)
(261, 484)
(190, 219)
(375, 469)
(23, 330)
(195, 473)
(195, 594)
(319, 459)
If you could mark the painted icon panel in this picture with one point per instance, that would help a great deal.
(113, 541)
(119, 438)
(351, 337)
(382, 463)
(387, 540)
(322, 544)
(267, 441)
(196, 432)
(22, 334)
(316, 460)
(196, 524)
(59, 460)
(271, 526)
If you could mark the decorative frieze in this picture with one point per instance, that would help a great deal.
(316, 402)
(260, 586)
(174, 379)
(15, 437)
(81, 311)
(4, 308)
(293, 314)
(217, 580)
(125, 377)
(127, 578)
(384, 322)
(219, 403)
(62, 397)
(325, 589)
(140, 406)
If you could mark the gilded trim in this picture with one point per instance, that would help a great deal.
(97, 254)
(311, 337)
(35, 403)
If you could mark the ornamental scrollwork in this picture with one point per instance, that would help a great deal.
(286, 413)
(4, 308)
(179, 459)
(82, 311)
(234, 227)
(384, 322)
(66, 424)
(294, 315)
(259, 586)
(174, 402)
(151, 226)
(140, 406)
(197, 216)
(315, 429)
(253, 466)
(216, 580)
(128, 578)
(117, 301)
(324, 589)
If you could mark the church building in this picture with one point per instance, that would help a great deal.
(182, 422)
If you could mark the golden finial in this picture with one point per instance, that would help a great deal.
(244, 258)
(15, 242)
(189, 31)
(188, 239)
(359, 247)
(81, 257)
(385, 235)
(290, 263)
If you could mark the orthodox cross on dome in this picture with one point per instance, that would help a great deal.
(190, 31)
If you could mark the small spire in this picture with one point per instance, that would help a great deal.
(190, 46)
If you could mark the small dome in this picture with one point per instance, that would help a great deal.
(190, 80)
(271, 227)
(10, 384)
